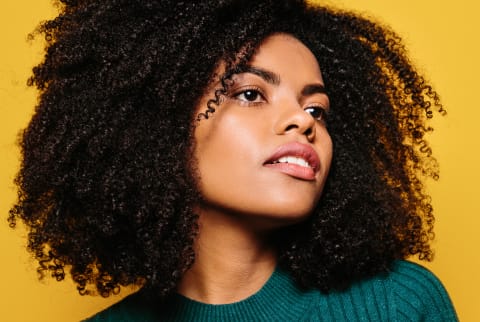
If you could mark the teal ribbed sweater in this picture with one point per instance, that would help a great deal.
(408, 293)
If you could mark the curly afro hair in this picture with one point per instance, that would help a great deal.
(107, 184)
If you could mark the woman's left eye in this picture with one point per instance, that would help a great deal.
(319, 113)
(250, 96)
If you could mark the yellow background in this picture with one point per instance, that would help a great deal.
(443, 40)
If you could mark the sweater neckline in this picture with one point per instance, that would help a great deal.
(278, 299)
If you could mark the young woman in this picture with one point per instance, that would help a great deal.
(237, 160)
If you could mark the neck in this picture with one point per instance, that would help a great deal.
(233, 261)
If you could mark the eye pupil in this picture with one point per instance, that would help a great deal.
(317, 113)
(251, 95)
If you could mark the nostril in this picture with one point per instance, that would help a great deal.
(308, 131)
(291, 127)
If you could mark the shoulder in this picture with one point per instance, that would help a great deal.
(416, 291)
(416, 282)
(407, 292)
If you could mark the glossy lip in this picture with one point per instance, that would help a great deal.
(295, 149)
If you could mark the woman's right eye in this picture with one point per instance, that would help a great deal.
(250, 95)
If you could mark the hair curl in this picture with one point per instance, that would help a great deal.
(106, 186)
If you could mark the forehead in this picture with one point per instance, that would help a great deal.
(283, 52)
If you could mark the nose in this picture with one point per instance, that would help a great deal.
(293, 118)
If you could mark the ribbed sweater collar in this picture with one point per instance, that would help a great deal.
(278, 300)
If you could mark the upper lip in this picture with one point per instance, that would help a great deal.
(296, 149)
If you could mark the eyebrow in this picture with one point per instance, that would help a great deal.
(268, 76)
(274, 79)
(313, 89)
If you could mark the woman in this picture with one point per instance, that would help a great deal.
(237, 160)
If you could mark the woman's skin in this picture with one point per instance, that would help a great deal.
(276, 109)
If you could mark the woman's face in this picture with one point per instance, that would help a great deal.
(265, 152)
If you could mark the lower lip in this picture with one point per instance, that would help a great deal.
(293, 170)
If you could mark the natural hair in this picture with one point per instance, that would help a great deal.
(107, 186)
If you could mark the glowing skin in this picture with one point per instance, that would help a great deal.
(263, 157)
(266, 111)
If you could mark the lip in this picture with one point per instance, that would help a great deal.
(295, 149)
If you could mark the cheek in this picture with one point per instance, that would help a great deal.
(324, 146)
(328, 152)
(224, 147)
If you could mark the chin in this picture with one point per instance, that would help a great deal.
(279, 217)
(294, 216)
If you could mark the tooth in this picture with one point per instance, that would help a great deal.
(293, 160)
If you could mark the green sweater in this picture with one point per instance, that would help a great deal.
(408, 293)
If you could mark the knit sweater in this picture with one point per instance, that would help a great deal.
(408, 293)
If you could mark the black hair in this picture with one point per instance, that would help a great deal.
(107, 186)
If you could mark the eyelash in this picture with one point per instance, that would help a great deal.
(312, 110)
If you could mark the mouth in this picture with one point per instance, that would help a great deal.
(295, 159)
